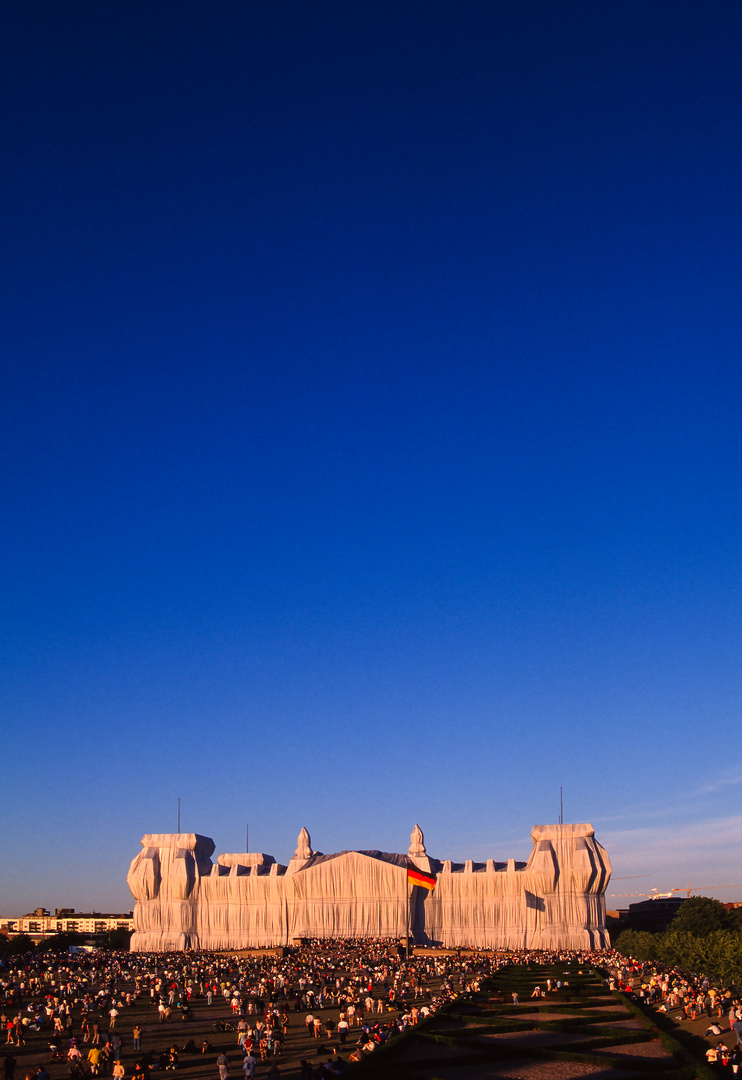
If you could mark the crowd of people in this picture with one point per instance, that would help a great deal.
(685, 996)
(350, 996)
(104, 1014)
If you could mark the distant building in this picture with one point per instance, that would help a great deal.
(652, 915)
(40, 923)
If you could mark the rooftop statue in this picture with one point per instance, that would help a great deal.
(417, 842)
(304, 846)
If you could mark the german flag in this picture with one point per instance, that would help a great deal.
(419, 877)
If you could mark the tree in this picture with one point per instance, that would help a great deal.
(718, 955)
(119, 939)
(701, 916)
(728, 955)
(679, 948)
(21, 943)
(59, 942)
(637, 943)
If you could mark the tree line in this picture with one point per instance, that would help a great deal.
(22, 943)
(704, 937)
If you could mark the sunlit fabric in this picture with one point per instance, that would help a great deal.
(184, 900)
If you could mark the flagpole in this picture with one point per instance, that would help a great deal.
(404, 894)
(405, 880)
(408, 890)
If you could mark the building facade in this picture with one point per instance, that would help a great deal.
(555, 900)
(40, 923)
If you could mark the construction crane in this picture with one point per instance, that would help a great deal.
(655, 895)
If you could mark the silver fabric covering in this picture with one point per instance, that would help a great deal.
(554, 901)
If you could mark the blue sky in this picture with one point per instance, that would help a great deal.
(370, 432)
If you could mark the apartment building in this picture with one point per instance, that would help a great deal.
(40, 923)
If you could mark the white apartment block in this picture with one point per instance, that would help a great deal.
(41, 923)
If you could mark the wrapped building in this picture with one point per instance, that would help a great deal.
(184, 900)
